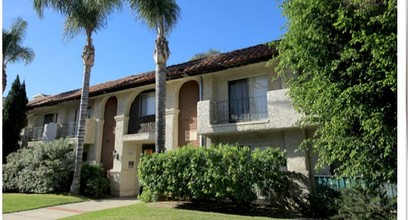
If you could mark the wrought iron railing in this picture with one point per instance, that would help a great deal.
(239, 110)
(147, 127)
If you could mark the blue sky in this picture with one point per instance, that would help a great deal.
(125, 46)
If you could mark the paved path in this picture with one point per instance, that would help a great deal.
(62, 211)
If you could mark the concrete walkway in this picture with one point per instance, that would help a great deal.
(62, 211)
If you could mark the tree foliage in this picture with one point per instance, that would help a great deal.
(13, 51)
(14, 117)
(43, 168)
(344, 57)
(210, 52)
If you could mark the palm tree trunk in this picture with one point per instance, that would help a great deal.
(88, 58)
(161, 55)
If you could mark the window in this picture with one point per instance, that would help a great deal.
(50, 118)
(238, 100)
(147, 104)
(247, 99)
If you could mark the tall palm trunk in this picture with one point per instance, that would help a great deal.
(88, 59)
(161, 54)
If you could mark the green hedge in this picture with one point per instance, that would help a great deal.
(43, 168)
(216, 173)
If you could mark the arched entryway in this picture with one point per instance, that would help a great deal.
(108, 139)
(188, 98)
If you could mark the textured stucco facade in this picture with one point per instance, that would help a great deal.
(275, 127)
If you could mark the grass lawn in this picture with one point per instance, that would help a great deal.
(14, 202)
(143, 211)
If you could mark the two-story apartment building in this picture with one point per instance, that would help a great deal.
(226, 98)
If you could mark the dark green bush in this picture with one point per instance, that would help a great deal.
(94, 181)
(358, 203)
(43, 168)
(216, 173)
(320, 204)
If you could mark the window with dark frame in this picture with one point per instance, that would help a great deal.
(147, 104)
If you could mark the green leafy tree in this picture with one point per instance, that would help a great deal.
(210, 52)
(14, 117)
(13, 51)
(344, 58)
(161, 15)
(88, 16)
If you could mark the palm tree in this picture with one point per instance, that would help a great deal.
(88, 16)
(13, 51)
(161, 15)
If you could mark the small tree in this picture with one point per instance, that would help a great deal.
(14, 117)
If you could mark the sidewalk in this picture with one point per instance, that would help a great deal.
(62, 211)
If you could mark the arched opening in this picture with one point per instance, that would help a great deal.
(108, 139)
(188, 98)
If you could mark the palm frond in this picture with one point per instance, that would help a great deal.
(12, 40)
(25, 54)
(87, 15)
(157, 12)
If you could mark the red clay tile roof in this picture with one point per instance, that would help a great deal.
(210, 64)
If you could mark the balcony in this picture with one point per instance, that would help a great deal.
(273, 111)
(33, 133)
(239, 110)
(146, 132)
(52, 131)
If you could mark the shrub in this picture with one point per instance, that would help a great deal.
(359, 203)
(217, 173)
(94, 181)
(43, 168)
(320, 204)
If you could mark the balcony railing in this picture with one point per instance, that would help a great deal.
(37, 133)
(239, 110)
(69, 129)
(147, 127)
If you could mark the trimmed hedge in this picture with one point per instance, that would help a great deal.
(217, 173)
(43, 168)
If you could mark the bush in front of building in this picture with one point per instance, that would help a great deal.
(43, 168)
(321, 204)
(366, 203)
(216, 173)
(94, 182)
